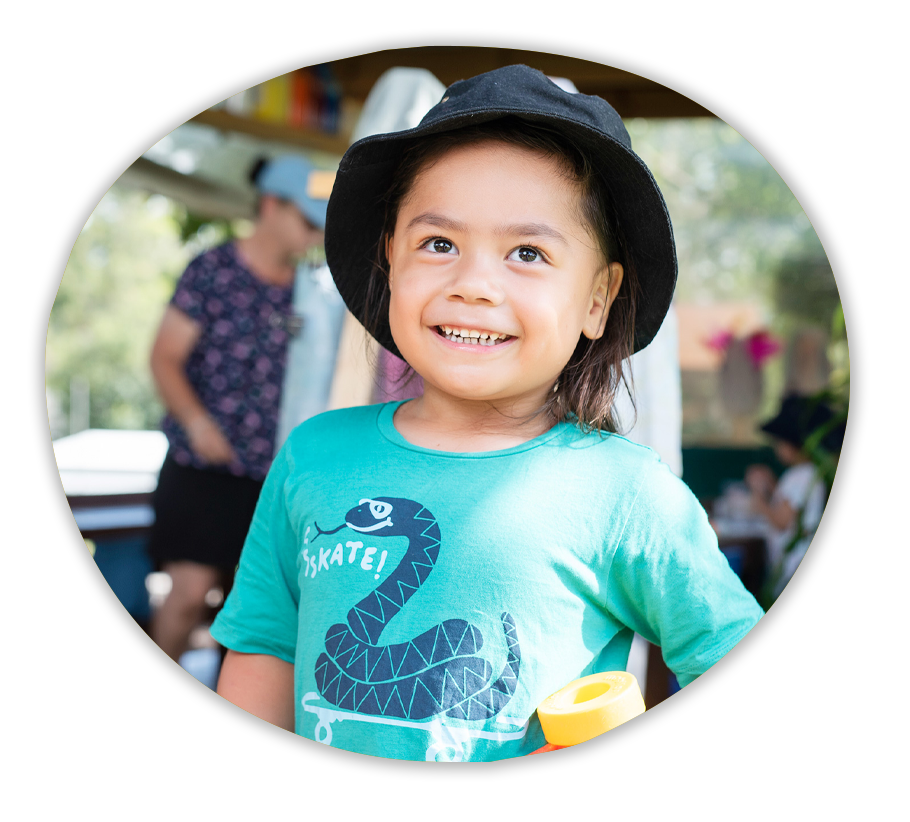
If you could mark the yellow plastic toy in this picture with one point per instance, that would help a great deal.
(589, 707)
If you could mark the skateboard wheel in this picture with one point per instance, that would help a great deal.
(589, 707)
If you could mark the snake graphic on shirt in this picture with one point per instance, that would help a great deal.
(437, 672)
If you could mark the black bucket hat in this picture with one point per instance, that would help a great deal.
(356, 208)
(798, 417)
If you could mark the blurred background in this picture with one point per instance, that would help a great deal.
(756, 315)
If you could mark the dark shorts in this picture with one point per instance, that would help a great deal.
(201, 516)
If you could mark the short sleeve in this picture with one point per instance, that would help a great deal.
(797, 484)
(260, 614)
(193, 286)
(669, 581)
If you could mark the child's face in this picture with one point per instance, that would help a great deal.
(489, 240)
(787, 453)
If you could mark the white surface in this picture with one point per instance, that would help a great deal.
(103, 483)
(125, 516)
(656, 419)
(736, 528)
(100, 461)
(398, 100)
(638, 661)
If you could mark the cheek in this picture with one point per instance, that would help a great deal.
(404, 308)
(409, 289)
(395, 308)
(551, 311)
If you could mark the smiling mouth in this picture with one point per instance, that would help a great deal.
(471, 336)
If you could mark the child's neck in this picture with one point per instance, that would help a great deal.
(444, 423)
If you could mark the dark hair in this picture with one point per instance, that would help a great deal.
(586, 389)
(256, 170)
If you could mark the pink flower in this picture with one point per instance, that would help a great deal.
(720, 341)
(760, 346)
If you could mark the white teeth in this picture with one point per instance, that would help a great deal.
(470, 336)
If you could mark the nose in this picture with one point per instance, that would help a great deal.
(475, 280)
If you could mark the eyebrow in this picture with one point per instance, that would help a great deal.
(519, 229)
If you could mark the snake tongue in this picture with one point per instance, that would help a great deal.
(333, 531)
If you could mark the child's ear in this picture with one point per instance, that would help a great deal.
(606, 287)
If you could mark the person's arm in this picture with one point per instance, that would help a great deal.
(259, 620)
(177, 336)
(261, 684)
(762, 482)
(779, 513)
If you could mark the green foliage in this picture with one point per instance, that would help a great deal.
(119, 277)
(805, 291)
(839, 355)
(734, 218)
(195, 227)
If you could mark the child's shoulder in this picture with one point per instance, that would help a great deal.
(630, 463)
(616, 472)
(338, 422)
(606, 446)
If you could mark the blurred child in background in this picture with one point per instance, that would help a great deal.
(792, 504)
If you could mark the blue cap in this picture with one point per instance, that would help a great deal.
(288, 177)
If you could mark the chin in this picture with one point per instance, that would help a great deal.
(475, 393)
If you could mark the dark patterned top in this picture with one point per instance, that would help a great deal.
(237, 367)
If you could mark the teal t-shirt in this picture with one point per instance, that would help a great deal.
(430, 601)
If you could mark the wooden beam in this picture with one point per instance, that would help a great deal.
(313, 140)
(630, 94)
(202, 197)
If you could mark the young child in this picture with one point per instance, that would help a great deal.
(420, 575)
(794, 503)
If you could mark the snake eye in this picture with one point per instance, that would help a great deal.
(378, 509)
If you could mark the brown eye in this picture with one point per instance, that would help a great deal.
(442, 246)
(527, 254)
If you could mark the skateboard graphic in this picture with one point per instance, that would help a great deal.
(446, 742)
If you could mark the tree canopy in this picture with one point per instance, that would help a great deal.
(119, 276)
(736, 222)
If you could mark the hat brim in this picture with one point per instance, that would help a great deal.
(356, 212)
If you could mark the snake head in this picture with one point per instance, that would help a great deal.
(387, 515)
(370, 515)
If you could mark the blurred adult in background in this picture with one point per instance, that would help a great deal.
(218, 362)
(792, 504)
